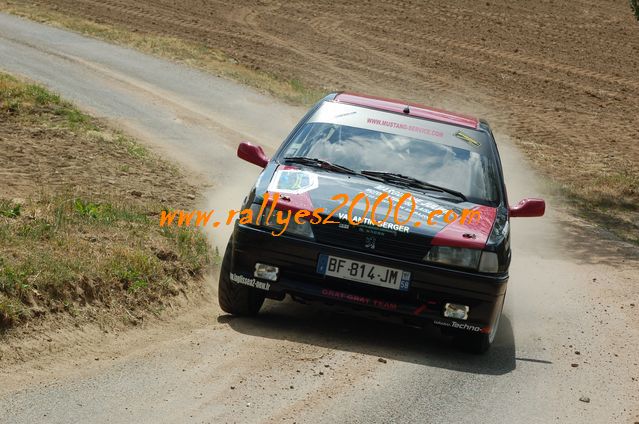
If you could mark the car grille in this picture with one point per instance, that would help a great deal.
(394, 245)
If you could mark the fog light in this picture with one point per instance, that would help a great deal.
(452, 310)
(266, 272)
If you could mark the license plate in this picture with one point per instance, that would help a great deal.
(363, 272)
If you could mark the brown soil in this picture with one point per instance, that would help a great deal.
(560, 77)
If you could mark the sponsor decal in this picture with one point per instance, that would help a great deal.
(251, 282)
(406, 127)
(368, 223)
(459, 325)
(362, 300)
(293, 181)
(468, 139)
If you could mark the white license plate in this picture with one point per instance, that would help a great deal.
(363, 272)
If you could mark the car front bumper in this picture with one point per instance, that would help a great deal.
(431, 287)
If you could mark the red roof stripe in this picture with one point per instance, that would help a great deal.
(417, 110)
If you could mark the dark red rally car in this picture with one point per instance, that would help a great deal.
(392, 207)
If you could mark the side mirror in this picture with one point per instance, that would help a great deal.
(252, 153)
(528, 208)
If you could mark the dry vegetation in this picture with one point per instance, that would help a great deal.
(79, 211)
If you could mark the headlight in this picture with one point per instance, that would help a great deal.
(455, 256)
(464, 258)
(288, 224)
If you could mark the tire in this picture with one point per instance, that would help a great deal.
(479, 343)
(236, 299)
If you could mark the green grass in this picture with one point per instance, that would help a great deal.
(104, 212)
(50, 258)
(190, 245)
(32, 103)
(9, 209)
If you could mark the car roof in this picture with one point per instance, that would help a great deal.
(416, 110)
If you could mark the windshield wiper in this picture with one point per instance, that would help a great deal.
(319, 163)
(412, 182)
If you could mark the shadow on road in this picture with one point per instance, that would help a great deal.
(576, 238)
(325, 328)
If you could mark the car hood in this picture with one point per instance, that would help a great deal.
(331, 195)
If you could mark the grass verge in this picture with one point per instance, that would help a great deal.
(73, 233)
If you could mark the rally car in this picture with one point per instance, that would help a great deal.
(376, 192)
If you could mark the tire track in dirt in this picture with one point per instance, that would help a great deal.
(248, 17)
(210, 28)
(427, 82)
(172, 17)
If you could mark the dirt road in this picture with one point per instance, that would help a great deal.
(570, 292)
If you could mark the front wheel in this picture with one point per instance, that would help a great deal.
(236, 299)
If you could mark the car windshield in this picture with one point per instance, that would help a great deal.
(469, 170)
